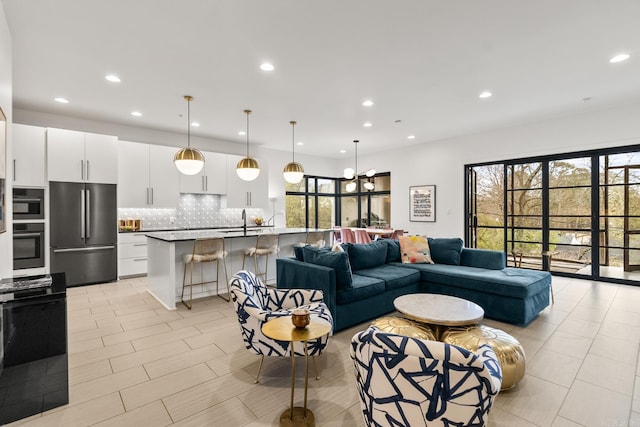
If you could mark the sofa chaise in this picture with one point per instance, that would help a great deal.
(361, 282)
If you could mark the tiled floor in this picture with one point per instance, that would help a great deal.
(133, 363)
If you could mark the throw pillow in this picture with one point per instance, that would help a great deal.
(367, 255)
(393, 250)
(446, 251)
(297, 251)
(339, 261)
(415, 250)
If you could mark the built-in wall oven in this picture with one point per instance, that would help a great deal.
(28, 245)
(28, 203)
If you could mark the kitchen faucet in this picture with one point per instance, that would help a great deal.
(244, 221)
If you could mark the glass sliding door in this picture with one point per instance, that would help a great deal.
(569, 215)
(486, 207)
(524, 213)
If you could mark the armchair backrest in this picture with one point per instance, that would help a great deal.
(247, 289)
(411, 382)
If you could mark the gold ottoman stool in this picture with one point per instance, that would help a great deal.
(508, 350)
(404, 327)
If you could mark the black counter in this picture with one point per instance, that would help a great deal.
(33, 364)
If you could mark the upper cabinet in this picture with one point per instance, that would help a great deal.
(243, 194)
(29, 144)
(212, 179)
(147, 176)
(82, 157)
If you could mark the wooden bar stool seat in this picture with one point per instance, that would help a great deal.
(266, 244)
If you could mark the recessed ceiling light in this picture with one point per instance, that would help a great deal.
(195, 124)
(61, 100)
(620, 57)
(411, 137)
(300, 143)
(343, 151)
(242, 132)
(367, 124)
(485, 94)
(112, 78)
(136, 113)
(266, 67)
(367, 103)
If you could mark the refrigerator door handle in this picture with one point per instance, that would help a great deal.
(90, 248)
(82, 212)
(88, 212)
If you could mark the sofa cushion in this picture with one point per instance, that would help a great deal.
(415, 250)
(362, 287)
(336, 260)
(367, 255)
(394, 277)
(297, 252)
(446, 251)
(393, 250)
(511, 282)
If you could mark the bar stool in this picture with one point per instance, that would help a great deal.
(315, 238)
(205, 251)
(347, 235)
(267, 244)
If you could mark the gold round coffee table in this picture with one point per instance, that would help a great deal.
(404, 327)
(439, 311)
(282, 329)
(508, 350)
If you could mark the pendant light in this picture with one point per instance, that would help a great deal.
(189, 161)
(352, 174)
(248, 168)
(293, 172)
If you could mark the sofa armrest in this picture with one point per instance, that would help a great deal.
(483, 258)
(294, 274)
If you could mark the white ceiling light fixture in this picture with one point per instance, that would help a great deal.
(367, 124)
(621, 57)
(352, 174)
(248, 168)
(293, 172)
(136, 113)
(411, 137)
(61, 100)
(189, 161)
(267, 67)
(195, 124)
(367, 103)
(485, 94)
(112, 78)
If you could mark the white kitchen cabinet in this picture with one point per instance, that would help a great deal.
(212, 179)
(29, 151)
(74, 156)
(242, 194)
(147, 176)
(132, 254)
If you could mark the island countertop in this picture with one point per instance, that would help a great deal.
(185, 235)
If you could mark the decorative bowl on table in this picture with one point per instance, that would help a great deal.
(300, 317)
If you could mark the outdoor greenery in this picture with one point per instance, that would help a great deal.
(508, 199)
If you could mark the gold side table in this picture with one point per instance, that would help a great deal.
(282, 329)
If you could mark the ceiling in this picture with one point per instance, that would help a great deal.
(422, 62)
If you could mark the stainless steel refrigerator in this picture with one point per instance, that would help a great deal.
(83, 236)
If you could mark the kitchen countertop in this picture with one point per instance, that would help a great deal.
(182, 235)
(172, 228)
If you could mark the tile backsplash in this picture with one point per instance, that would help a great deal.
(194, 211)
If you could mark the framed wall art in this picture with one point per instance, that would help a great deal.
(422, 203)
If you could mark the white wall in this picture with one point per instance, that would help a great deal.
(442, 162)
(6, 246)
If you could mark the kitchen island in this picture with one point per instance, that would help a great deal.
(166, 248)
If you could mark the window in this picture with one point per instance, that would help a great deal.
(321, 202)
(575, 214)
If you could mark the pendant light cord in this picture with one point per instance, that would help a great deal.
(247, 112)
(293, 144)
(188, 122)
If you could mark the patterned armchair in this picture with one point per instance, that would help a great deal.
(256, 304)
(405, 381)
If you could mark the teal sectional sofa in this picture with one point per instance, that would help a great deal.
(361, 283)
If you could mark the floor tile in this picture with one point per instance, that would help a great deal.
(590, 405)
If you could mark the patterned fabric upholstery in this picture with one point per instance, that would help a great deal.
(405, 381)
(256, 304)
